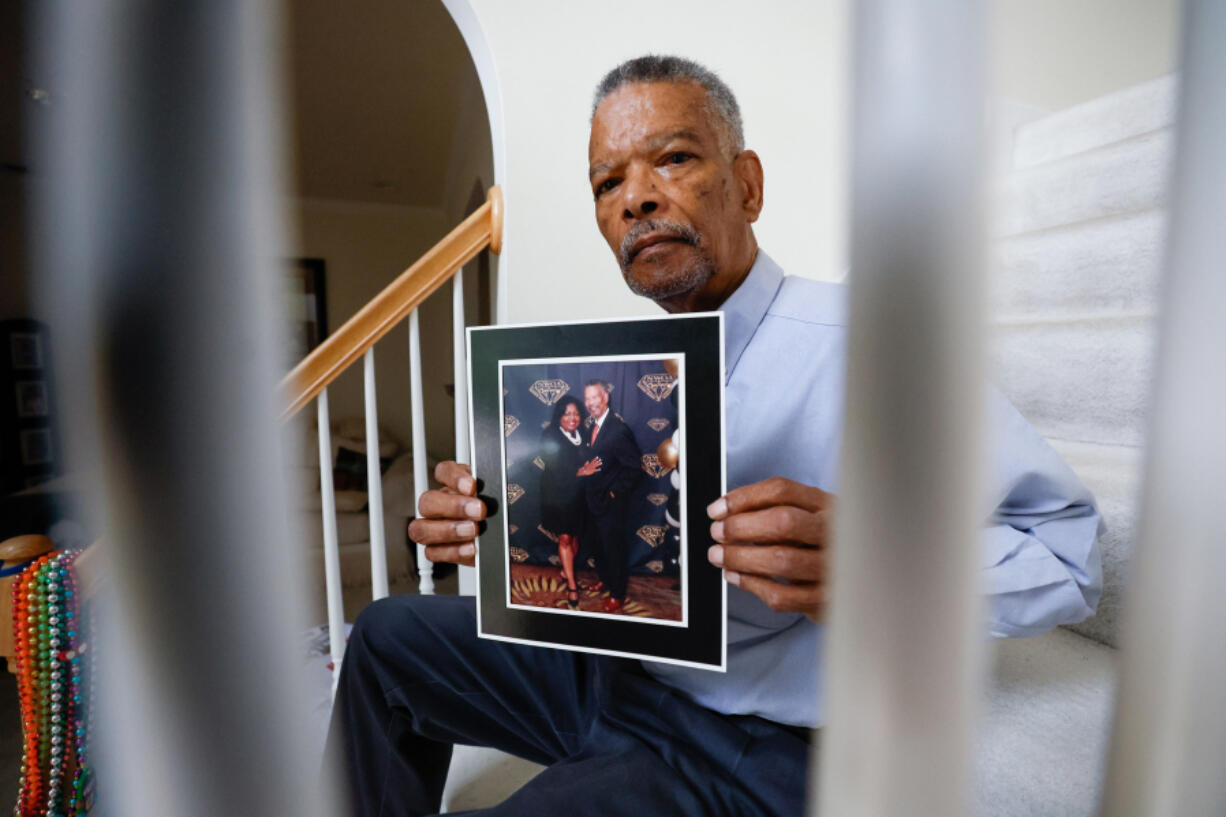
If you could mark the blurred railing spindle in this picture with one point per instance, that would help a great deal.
(1170, 731)
(906, 620)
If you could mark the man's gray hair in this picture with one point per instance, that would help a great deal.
(660, 68)
(602, 384)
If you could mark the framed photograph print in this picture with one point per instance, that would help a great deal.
(598, 447)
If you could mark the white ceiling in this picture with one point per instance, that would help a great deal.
(376, 90)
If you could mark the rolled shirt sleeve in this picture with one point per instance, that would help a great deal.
(1040, 555)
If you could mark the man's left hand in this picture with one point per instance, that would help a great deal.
(773, 542)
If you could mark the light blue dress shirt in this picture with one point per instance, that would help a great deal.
(785, 350)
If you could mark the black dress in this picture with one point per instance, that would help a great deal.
(561, 494)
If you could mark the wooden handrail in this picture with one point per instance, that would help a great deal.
(346, 345)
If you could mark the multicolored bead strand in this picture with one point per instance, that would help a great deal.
(26, 615)
(53, 708)
(81, 798)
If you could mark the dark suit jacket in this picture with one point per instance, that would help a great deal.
(621, 466)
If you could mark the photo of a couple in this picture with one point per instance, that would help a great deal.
(593, 514)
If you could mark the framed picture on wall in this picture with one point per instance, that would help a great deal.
(599, 446)
(36, 447)
(26, 350)
(306, 306)
(31, 398)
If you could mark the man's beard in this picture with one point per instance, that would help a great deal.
(675, 281)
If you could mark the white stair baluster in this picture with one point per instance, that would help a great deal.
(425, 568)
(332, 556)
(1170, 718)
(460, 367)
(374, 485)
(467, 578)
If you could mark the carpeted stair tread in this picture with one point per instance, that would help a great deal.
(1116, 117)
(1084, 379)
(1127, 177)
(1103, 266)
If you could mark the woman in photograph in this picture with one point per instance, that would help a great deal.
(562, 451)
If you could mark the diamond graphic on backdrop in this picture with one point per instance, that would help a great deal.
(655, 566)
(545, 424)
(519, 555)
(514, 492)
(509, 424)
(550, 535)
(657, 386)
(657, 499)
(652, 534)
(657, 423)
(549, 391)
(539, 463)
(513, 529)
(651, 464)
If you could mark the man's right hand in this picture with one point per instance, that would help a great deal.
(590, 467)
(449, 516)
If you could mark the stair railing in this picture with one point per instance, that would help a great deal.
(356, 339)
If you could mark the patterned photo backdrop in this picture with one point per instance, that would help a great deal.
(645, 396)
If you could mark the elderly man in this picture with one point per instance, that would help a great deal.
(676, 195)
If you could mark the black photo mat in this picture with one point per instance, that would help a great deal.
(550, 359)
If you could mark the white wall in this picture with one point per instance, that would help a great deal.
(1057, 53)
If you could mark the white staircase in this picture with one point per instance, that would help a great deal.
(1077, 262)
(1075, 293)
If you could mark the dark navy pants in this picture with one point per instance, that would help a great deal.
(617, 743)
(607, 532)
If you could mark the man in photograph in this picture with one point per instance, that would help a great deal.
(676, 194)
(607, 492)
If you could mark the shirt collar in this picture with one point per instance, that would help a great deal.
(600, 422)
(747, 306)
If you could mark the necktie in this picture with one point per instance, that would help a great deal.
(595, 429)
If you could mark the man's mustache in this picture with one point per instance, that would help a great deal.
(681, 232)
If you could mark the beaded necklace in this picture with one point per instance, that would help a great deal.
(55, 714)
